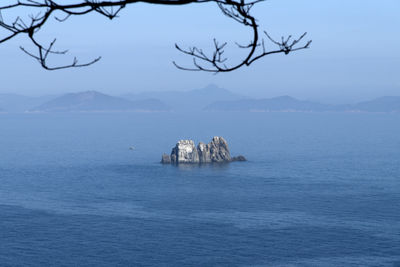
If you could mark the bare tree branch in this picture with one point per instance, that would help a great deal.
(216, 62)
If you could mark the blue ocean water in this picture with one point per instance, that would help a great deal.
(318, 190)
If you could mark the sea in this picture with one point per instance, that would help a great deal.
(318, 189)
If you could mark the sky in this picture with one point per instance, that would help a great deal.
(354, 55)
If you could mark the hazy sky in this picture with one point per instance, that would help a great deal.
(354, 56)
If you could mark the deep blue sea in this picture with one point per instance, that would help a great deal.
(318, 190)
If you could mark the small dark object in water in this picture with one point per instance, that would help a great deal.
(239, 158)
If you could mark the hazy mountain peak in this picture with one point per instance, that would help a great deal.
(211, 90)
(86, 94)
(192, 100)
(96, 101)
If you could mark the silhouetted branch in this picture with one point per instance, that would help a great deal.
(214, 62)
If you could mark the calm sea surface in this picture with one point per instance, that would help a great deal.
(318, 190)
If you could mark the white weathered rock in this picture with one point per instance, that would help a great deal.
(204, 152)
(185, 152)
(219, 151)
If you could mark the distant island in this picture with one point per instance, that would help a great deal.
(185, 151)
(282, 103)
(290, 104)
(92, 101)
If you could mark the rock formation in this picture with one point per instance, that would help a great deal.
(166, 159)
(216, 151)
(239, 158)
(185, 152)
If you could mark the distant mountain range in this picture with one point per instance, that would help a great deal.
(92, 101)
(287, 103)
(194, 100)
(210, 98)
(282, 103)
(382, 104)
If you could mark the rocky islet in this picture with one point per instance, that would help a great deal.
(185, 151)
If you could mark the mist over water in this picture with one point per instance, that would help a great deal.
(319, 189)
